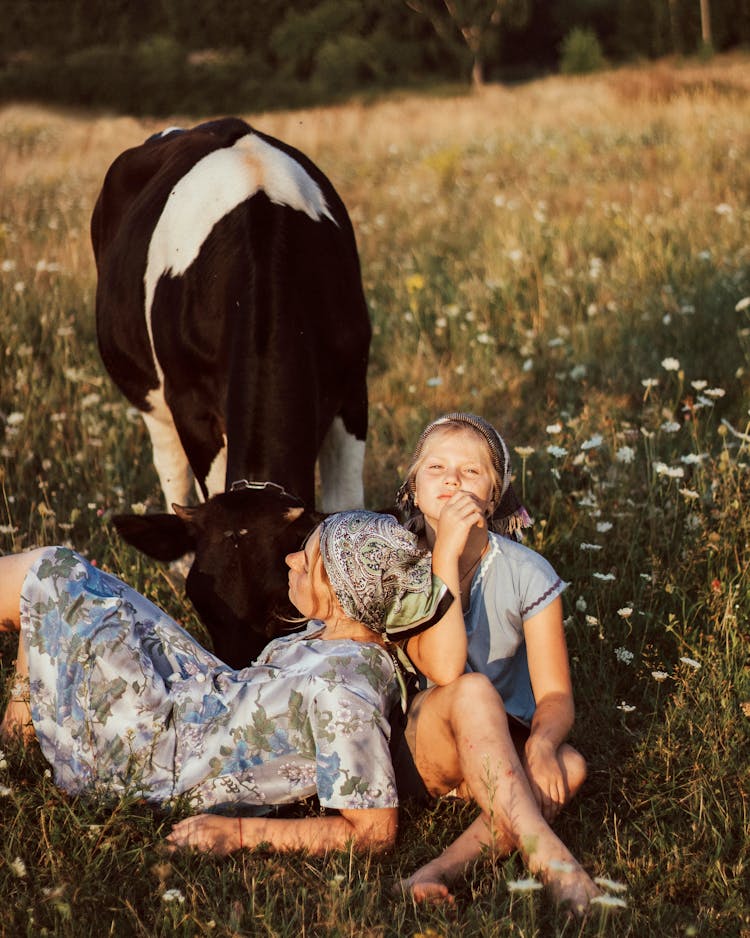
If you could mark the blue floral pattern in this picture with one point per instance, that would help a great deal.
(124, 699)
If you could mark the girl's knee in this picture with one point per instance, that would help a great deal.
(576, 769)
(475, 692)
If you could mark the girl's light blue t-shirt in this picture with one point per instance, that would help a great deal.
(513, 583)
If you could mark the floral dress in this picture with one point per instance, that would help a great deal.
(124, 699)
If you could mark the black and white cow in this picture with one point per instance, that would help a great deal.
(230, 312)
(238, 579)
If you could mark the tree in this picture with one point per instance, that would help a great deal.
(474, 20)
(706, 23)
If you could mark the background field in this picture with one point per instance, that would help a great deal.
(569, 259)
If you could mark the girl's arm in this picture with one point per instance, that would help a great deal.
(365, 828)
(440, 652)
(555, 712)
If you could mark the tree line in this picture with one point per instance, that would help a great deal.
(160, 56)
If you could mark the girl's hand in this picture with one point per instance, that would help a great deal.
(460, 514)
(545, 776)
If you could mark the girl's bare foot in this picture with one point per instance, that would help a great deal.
(570, 885)
(424, 887)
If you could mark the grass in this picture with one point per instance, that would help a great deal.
(568, 258)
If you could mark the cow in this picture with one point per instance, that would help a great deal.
(238, 579)
(230, 312)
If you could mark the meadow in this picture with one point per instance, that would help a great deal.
(569, 258)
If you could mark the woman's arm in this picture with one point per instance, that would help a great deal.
(550, 680)
(365, 828)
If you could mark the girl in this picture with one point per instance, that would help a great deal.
(122, 699)
(458, 496)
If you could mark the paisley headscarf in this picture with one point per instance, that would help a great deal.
(379, 575)
(508, 515)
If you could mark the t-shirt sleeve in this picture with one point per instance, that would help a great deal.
(353, 761)
(539, 585)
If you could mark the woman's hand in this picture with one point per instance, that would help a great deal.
(545, 776)
(210, 833)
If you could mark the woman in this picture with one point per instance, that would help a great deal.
(122, 699)
(513, 646)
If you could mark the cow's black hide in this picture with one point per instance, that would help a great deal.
(238, 579)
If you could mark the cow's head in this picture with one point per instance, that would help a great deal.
(238, 579)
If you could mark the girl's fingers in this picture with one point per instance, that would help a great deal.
(464, 507)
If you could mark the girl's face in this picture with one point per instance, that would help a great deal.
(308, 591)
(453, 461)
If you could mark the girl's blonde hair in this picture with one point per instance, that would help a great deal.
(507, 515)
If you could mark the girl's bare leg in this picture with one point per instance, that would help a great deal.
(462, 735)
(16, 723)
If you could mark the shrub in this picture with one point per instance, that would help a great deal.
(344, 64)
(581, 53)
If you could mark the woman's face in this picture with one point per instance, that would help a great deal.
(452, 461)
(308, 590)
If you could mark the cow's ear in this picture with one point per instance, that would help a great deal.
(161, 536)
(291, 514)
(185, 513)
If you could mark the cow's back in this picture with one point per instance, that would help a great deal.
(230, 296)
(132, 198)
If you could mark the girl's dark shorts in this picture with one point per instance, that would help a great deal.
(408, 781)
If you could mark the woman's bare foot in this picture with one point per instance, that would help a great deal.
(16, 725)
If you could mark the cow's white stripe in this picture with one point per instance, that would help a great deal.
(171, 463)
(341, 461)
(216, 480)
(214, 187)
(210, 190)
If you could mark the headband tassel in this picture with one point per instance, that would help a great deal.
(513, 525)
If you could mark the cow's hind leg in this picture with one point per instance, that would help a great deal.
(175, 474)
(341, 462)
